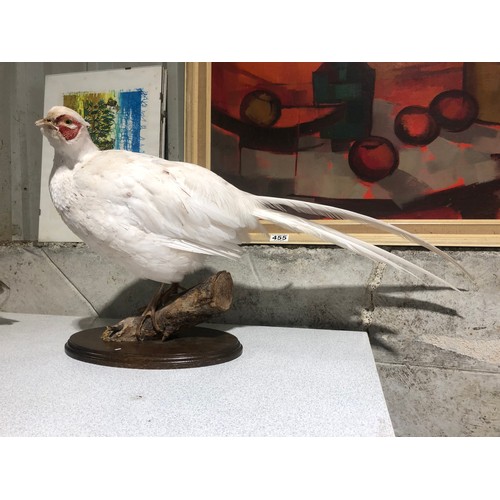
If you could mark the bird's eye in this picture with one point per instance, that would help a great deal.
(68, 122)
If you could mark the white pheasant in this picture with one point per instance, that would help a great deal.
(160, 218)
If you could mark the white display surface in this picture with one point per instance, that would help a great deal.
(287, 382)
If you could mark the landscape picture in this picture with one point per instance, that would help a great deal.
(115, 117)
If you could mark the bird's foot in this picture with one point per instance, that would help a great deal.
(152, 315)
(123, 331)
(128, 330)
(168, 312)
(160, 299)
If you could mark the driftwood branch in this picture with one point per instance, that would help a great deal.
(189, 308)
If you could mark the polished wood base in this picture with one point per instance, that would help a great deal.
(191, 347)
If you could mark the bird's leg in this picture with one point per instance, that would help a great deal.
(165, 295)
(170, 311)
(158, 300)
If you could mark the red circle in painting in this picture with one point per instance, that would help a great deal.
(454, 110)
(415, 125)
(373, 158)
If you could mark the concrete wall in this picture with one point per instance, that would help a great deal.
(437, 351)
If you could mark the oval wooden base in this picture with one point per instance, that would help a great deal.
(192, 347)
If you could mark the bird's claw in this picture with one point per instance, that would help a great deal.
(151, 314)
(124, 331)
(112, 330)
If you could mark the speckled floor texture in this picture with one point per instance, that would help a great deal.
(287, 382)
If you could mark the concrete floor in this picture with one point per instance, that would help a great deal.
(437, 351)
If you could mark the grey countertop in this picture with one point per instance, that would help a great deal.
(287, 382)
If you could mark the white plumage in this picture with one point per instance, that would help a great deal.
(159, 218)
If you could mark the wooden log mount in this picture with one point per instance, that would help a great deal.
(188, 308)
(135, 343)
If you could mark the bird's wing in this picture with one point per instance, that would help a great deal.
(183, 206)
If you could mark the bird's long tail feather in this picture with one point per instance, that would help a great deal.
(360, 247)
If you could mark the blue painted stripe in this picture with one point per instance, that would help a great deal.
(129, 121)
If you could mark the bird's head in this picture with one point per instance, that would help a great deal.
(62, 123)
(65, 129)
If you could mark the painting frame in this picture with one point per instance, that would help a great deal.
(440, 232)
(146, 83)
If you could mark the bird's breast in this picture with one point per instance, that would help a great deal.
(62, 192)
(68, 201)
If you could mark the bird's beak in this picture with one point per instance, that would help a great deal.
(44, 123)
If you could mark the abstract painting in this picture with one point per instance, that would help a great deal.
(391, 140)
(124, 109)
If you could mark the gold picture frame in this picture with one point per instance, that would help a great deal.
(440, 232)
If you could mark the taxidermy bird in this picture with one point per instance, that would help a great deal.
(160, 218)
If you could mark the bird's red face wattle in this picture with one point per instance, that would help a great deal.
(68, 126)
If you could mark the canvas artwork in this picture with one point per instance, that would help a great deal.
(124, 109)
(391, 140)
(115, 117)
